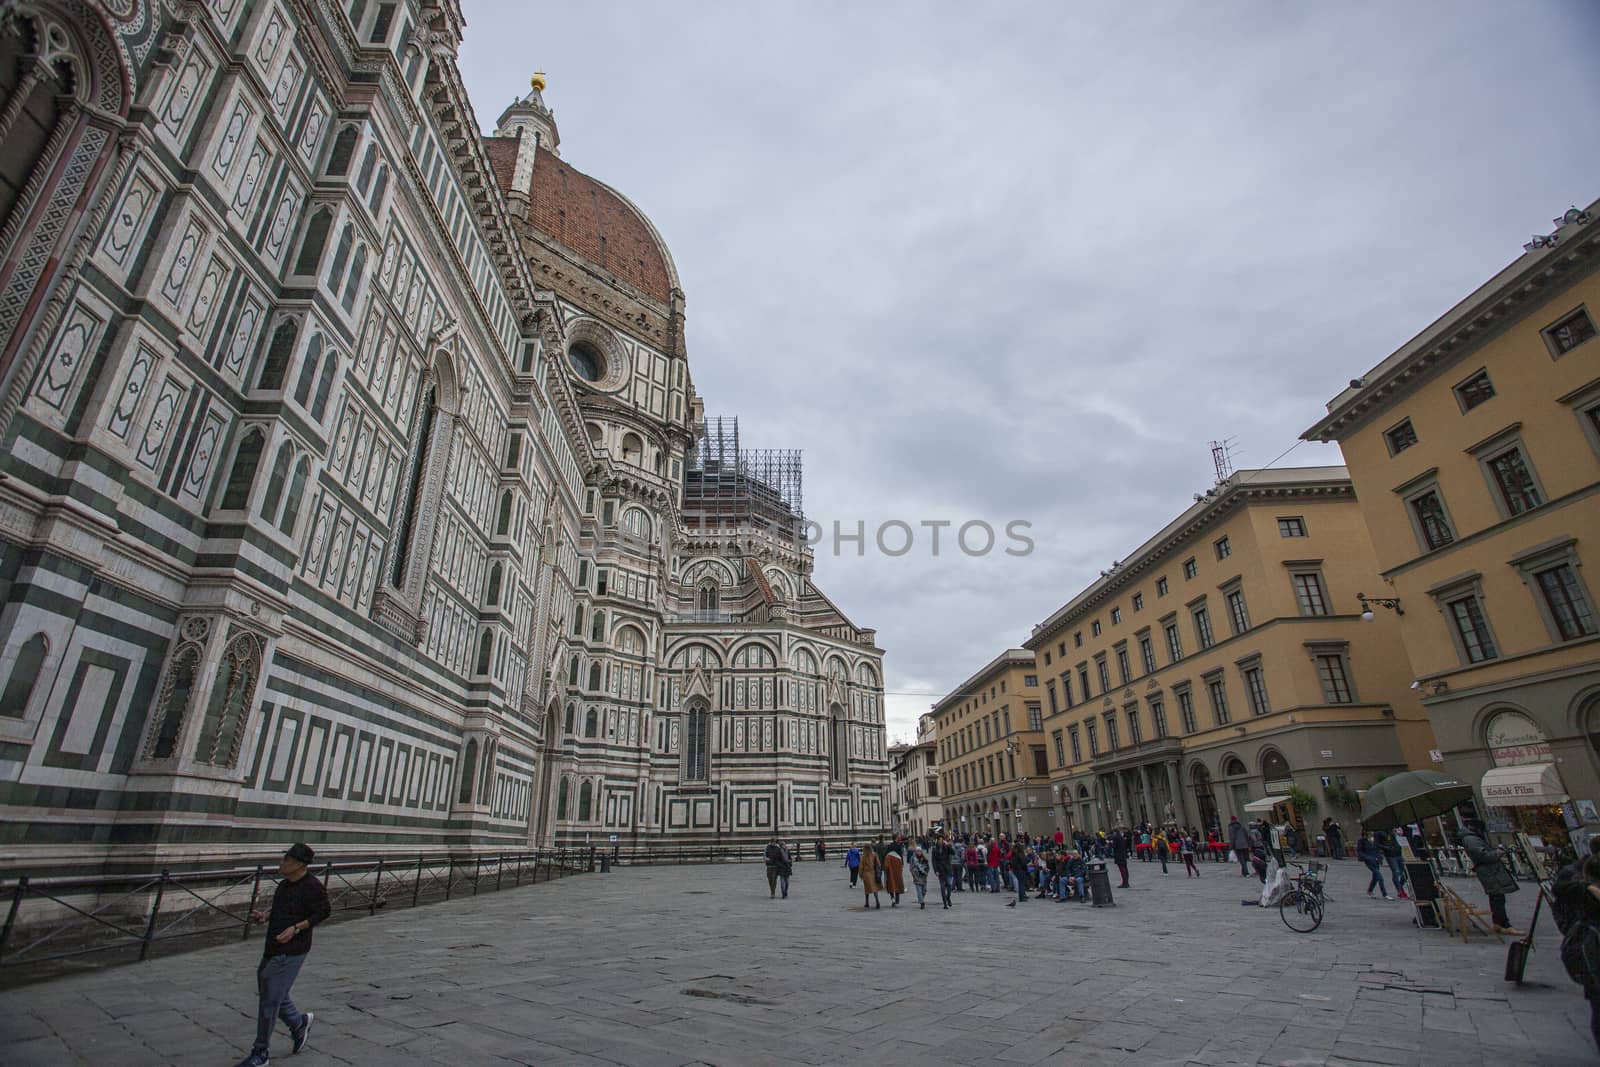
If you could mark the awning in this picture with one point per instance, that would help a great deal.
(1265, 803)
(1530, 783)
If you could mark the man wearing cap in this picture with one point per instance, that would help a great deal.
(298, 904)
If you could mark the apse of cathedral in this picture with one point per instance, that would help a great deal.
(355, 486)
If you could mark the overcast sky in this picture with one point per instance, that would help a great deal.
(1023, 261)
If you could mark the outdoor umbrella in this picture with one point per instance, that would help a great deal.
(1411, 797)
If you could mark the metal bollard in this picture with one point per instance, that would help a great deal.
(155, 910)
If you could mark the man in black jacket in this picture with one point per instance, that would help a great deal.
(298, 904)
(1119, 855)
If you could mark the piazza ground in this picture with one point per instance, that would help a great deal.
(688, 965)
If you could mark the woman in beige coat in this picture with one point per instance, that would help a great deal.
(870, 869)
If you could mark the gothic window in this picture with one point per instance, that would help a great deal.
(710, 597)
(367, 163)
(572, 709)
(375, 201)
(493, 596)
(485, 651)
(594, 677)
(308, 372)
(358, 267)
(316, 240)
(591, 724)
(838, 746)
(344, 147)
(277, 361)
(577, 620)
(697, 744)
(340, 256)
(243, 475)
(635, 523)
(597, 631)
(561, 798)
(174, 702)
(24, 676)
(297, 490)
(232, 692)
(280, 474)
(428, 413)
(585, 801)
(469, 767)
(319, 406)
(36, 113)
(572, 679)
(502, 524)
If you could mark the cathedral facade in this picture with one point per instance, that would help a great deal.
(355, 486)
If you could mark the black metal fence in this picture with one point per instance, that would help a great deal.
(56, 926)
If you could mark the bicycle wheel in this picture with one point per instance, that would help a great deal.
(1300, 911)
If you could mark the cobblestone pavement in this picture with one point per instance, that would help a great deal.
(684, 965)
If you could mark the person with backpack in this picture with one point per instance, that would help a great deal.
(852, 860)
(1493, 876)
(1158, 842)
(919, 874)
(1576, 906)
(779, 867)
(1186, 846)
(1367, 852)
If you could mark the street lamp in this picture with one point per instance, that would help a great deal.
(1367, 604)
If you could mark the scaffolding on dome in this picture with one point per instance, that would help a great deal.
(730, 486)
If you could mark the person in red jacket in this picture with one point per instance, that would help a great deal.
(992, 856)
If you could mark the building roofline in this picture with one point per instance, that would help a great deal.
(1011, 657)
(1459, 330)
(1241, 487)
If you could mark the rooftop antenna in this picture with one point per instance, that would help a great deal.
(1222, 458)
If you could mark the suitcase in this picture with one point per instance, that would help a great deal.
(1516, 960)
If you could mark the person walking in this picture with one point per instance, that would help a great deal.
(1119, 855)
(298, 904)
(779, 867)
(822, 851)
(919, 874)
(1367, 852)
(1577, 896)
(1158, 844)
(1186, 848)
(1389, 849)
(1239, 842)
(894, 881)
(1493, 876)
(945, 868)
(1019, 873)
(870, 869)
(852, 860)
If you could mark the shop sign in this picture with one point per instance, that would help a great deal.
(1510, 791)
(1515, 740)
(1435, 755)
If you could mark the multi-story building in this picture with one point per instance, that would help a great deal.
(1225, 661)
(918, 808)
(1475, 448)
(990, 750)
(354, 484)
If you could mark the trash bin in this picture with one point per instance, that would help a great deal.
(1099, 885)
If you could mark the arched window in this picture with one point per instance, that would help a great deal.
(502, 525)
(572, 679)
(308, 371)
(635, 523)
(174, 702)
(375, 201)
(358, 267)
(591, 723)
(493, 596)
(697, 743)
(577, 620)
(367, 163)
(297, 491)
(561, 798)
(594, 677)
(469, 768)
(277, 361)
(428, 412)
(280, 475)
(319, 406)
(597, 630)
(1273, 766)
(340, 256)
(316, 240)
(232, 692)
(710, 597)
(585, 801)
(632, 448)
(485, 651)
(24, 676)
(344, 147)
(572, 709)
(839, 746)
(1233, 767)
(243, 475)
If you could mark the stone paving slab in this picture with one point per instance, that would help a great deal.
(662, 967)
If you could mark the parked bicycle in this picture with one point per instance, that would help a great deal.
(1302, 904)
